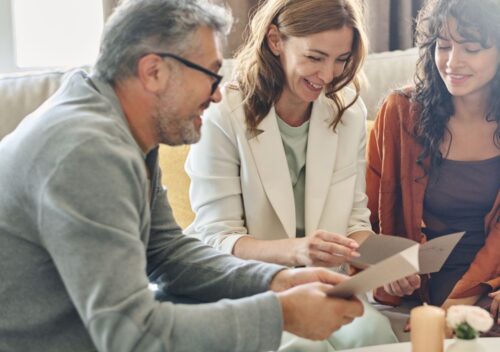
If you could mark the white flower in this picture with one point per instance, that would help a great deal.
(479, 319)
(456, 315)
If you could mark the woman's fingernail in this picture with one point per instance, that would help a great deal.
(355, 254)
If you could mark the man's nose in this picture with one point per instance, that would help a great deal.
(216, 96)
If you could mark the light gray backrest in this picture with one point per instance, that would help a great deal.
(21, 94)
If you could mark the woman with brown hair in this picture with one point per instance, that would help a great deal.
(434, 155)
(279, 174)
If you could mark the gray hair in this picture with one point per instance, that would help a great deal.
(138, 27)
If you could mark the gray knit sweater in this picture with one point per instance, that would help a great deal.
(80, 235)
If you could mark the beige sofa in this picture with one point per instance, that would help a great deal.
(20, 94)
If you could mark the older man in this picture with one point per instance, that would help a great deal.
(85, 224)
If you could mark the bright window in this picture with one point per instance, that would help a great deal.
(52, 33)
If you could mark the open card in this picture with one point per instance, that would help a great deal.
(389, 258)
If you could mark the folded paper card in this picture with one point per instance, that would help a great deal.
(389, 258)
(431, 254)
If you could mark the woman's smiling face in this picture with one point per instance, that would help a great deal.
(466, 67)
(311, 62)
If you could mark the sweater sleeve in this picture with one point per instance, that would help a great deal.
(382, 174)
(374, 167)
(91, 213)
(174, 260)
(385, 157)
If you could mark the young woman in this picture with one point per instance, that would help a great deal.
(279, 173)
(434, 154)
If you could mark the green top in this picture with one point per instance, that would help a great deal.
(295, 145)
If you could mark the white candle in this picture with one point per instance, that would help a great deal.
(427, 329)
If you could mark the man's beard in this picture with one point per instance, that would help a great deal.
(171, 128)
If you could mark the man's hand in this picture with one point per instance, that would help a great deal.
(324, 248)
(307, 310)
(289, 278)
(402, 287)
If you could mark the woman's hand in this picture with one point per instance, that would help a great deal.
(495, 305)
(324, 248)
(468, 301)
(403, 287)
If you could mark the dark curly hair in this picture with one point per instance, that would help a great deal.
(477, 20)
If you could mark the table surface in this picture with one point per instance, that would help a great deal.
(490, 344)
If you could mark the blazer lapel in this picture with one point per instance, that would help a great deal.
(270, 159)
(321, 155)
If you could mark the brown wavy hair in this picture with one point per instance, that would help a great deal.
(259, 74)
(476, 21)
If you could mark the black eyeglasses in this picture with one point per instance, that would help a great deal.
(217, 78)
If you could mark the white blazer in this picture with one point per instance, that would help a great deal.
(240, 184)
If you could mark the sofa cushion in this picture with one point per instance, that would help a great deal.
(175, 179)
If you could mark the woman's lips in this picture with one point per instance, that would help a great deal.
(313, 86)
(456, 78)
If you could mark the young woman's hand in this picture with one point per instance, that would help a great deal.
(403, 287)
(495, 306)
(324, 248)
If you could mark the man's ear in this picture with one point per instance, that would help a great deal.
(274, 40)
(153, 72)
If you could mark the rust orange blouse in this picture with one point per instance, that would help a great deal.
(395, 185)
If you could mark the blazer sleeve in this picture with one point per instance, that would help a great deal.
(360, 215)
(213, 165)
